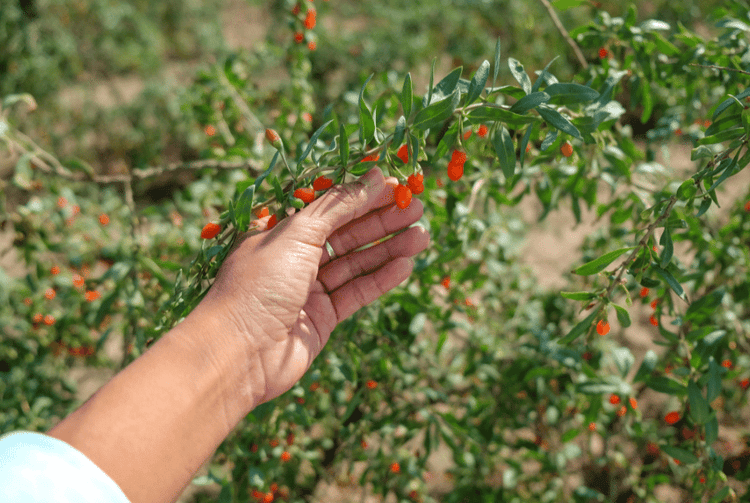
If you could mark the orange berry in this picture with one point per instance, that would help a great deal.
(263, 212)
(455, 171)
(458, 157)
(702, 479)
(50, 293)
(467, 134)
(727, 364)
(372, 384)
(371, 158)
(622, 411)
(62, 202)
(307, 117)
(672, 417)
(402, 193)
(653, 303)
(299, 37)
(310, 19)
(633, 403)
(49, 319)
(644, 292)
(92, 295)
(271, 222)
(55, 270)
(322, 183)
(312, 45)
(274, 487)
(395, 468)
(290, 439)
(210, 130)
(77, 280)
(307, 195)
(603, 53)
(285, 456)
(210, 230)
(482, 131)
(653, 320)
(602, 328)
(268, 498)
(678, 132)
(273, 442)
(38, 318)
(103, 219)
(567, 149)
(415, 184)
(447, 282)
(592, 426)
(403, 153)
(614, 399)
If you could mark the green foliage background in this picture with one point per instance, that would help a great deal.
(480, 377)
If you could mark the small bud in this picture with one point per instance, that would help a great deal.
(274, 139)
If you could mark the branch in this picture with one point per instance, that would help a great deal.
(719, 67)
(565, 34)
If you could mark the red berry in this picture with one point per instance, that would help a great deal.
(310, 19)
(614, 399)
(633, 403)
(271, 222)
(482, 131)
(747, 206)
(567, 149)
(644, 292)
(602, 328)
(653, 320)
(103, 219)
(458, 157)
(372, 384)
(446, 282)
(307, 195)
(322, 183)
(395, 468)
(415, 184)
(311, 45)
(672, 417)
(262, 213)
(603, 53)
(467, 134)
(210, 230)
(403, 153)
(285, 456)
(299, 37)
(455, 171)
(402, 195)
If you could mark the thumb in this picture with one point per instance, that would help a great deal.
(344, 203)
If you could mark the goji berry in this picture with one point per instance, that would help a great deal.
(274, 487)
(447, 282)
(727, 364)
(622, 411)
(49, 320)
(103, 219)
(307, 117)
(672, 417)
(61, 202)
(285, 456)
(653, 303)
(653, 320)
(467, 134)
(210, 130)
(92, 295)
(295, 9)
(372, 384)
(55, 270)
(50, 293)
(603, 53)
(747, 206)
(271, 222)
(745, 383)
(299, 37)
(363, 444)
(210, 230)
(322, 183)
(310, 19)
(371, 158)
(602, 328)
(262, 213)
(307, 195)
(415, 184)
(614, 399)
(644, 292)
(482, 132)
(312, 45)
(77, 280)
(395, 468)
(567, 149)
(633, 403)
(402, 194)
(403, 153)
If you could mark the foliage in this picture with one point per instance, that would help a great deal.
(471, 353)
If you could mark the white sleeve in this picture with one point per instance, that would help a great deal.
(37, 468)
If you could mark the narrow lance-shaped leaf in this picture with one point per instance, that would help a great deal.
(437, 112)
(407, 96)
(668, 251)
(554, 118)
(506, 152)
(600, 263)
(670, 280)
(623, 316)
(244, 208)
(398, 134)
(496, 66)
(569, 93)
(520, 74)
(529, 101)
(525, 143)
(699, 408)
(478, 82)
(367, 124)
(579, 329)
(313, 141)
(445, 87)
(343, 145)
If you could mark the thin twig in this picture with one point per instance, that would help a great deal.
(565, 34)
(714, 67)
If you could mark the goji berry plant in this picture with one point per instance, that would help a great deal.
(535, 394)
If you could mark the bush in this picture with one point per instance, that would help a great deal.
(472, 354)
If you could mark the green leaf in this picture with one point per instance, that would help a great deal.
(647, 366)
(723, 136)
(581, 296)
(623, 359)
(525, 142)
(407, 95)
(699, 408)
(570, 435)
(563, 5)
(478, 82)
(713, 387)
(398, 134)
(23, 175)
(712, 434)
(520, 74)
(445, 87)
(244, 207)
(670, 280)
(437, 112)
(687, 190)
(729, 102)
(681, 455)
(579, 329)
(529, 101)
(570, 93)
(545, 77)
(729, 170)
(313, 141)
(597, 388)
(496, 114)
(343, 145)
(668, 251)
(705, 306)
(506, 152)
(549, 140)
(623, 316)
(647, 100)
(600, 263)
(665, 385)
(556, 120)
(496, 66)
(367, 123)
(705, 205)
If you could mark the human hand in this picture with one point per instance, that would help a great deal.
(282, 295)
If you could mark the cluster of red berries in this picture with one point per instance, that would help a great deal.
(309, 23)
(456, 165)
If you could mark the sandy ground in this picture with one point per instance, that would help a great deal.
(551, 249)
